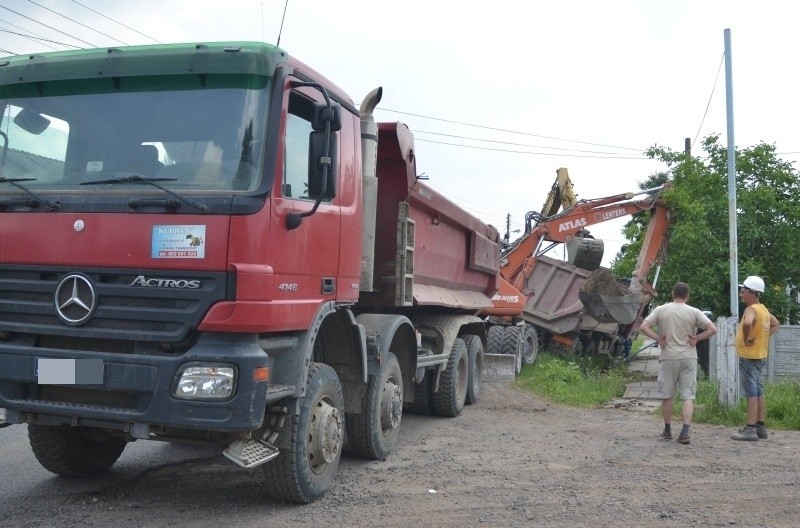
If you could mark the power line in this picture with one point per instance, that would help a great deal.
(29, 31)
(709, 98)
(39, 38)
(49, 27)
(510, 131)
(9, 52)
(116, 21)
(515, 144)
(79, 23)
(532, 153)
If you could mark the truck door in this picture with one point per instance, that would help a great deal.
(305, 260)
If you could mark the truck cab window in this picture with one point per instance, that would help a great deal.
(296, 154)
(37, 144)
(295, 170)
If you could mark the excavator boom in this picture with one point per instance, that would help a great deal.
(519, 259)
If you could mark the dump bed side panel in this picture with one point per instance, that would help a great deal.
(554, 304)
(451, 258)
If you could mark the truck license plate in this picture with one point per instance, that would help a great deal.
(52, 371)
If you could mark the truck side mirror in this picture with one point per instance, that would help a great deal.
(323, 113)
(318, 186)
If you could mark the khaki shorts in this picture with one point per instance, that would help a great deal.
(680, 373)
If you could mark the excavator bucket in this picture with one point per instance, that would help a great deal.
(608, 301)
(586, 253)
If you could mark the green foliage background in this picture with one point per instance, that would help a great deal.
(768, 224)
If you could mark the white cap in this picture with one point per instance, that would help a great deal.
(753, 283)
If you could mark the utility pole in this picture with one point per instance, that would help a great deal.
(732, 222)
(687, 146)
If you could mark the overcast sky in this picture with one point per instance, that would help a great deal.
(586, 85)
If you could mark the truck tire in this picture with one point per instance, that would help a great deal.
(511, 346)
(74, 451)
(423, 401)
(475, 356)
(530, 345)
(303, 472)
(449, 401)
(372, 433)
(494, 339)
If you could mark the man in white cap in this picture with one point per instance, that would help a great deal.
(752, 347)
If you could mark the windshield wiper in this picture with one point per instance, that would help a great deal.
(53, 206)
(135, 178)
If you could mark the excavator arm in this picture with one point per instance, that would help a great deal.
(518, 261)
(561, 195)
(567, 224)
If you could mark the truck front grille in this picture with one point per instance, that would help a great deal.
(123, 309)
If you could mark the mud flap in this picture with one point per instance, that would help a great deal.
(499, 366)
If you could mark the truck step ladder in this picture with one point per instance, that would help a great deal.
(250, 453)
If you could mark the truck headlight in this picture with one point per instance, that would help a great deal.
(205, 382)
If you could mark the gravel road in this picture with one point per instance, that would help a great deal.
(510, 460)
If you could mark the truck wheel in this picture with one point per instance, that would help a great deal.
(449, 401)
(423, 400)
(74, 451)
(303, 472)
(475, 357)
(494, 339)
(372, 433)
(530, 345)
(511, 346)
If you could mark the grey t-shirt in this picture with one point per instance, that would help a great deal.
(677, 322)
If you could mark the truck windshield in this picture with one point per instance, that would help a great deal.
(192, 132)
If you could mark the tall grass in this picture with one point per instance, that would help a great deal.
(586, 384)
(570, 382)
(783, 406)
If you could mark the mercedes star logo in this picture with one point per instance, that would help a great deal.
(75, 299)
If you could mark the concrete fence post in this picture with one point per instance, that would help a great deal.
(726, 364)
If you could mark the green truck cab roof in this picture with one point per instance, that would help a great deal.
(254, 58)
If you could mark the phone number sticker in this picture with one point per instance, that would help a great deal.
(178, 241)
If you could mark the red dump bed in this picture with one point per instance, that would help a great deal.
(431, 252)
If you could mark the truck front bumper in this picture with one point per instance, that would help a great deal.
(136, 388)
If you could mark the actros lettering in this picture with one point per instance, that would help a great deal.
(154, 282)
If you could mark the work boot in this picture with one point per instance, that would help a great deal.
(747, 433)
(761, 431)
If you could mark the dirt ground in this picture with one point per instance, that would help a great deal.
(510, 460)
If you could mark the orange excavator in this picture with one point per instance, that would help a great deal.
(576, 305)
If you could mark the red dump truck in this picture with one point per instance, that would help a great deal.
(210, 243)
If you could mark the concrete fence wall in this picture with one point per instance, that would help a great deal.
(783, 362)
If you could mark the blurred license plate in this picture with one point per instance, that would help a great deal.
(51, 371)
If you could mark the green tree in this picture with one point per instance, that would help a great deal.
(768, 223)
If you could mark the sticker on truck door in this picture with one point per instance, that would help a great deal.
(178, 241)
